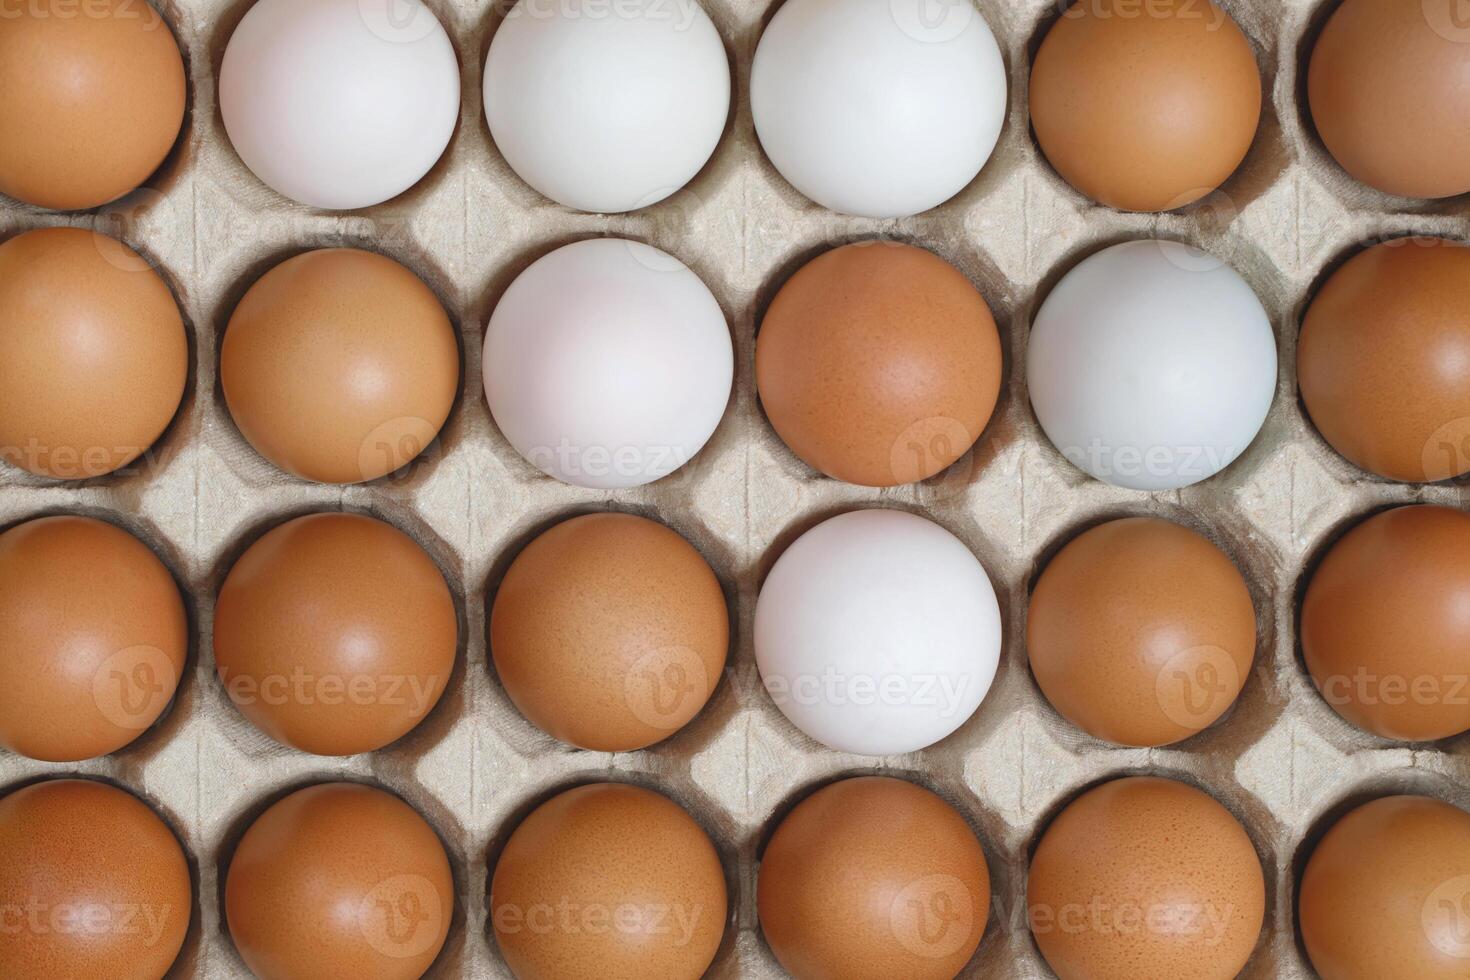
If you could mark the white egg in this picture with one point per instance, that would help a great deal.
(879, 108)
(608, 364)
(877, 632)
(339, 104)
(607, 108)
(1151, 365)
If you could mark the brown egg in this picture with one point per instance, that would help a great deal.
(1145, 107)
(1389, 87)
(1384, 359)
(1385, 894)
(878, 363)
(1141, 632)
(1385, 630)
(875, 878)
(339, 881)
(92, 884)
(93, 356)
(608, 881)
(91, 99)
(339, 366)
(1146, 877)
(93, 637)
(335, 634)
(609, 632)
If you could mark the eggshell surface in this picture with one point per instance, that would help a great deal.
(877, 632)
(878, 363)
(339, 366)
(1383, 894)
(1145, 108)
(1389, 89)
(1151, 365)
(609, 881)
(97, 880)
(1383, 625)
(1146, 877)
(608, 364)
(93, 354)
(339, 880)
(1383, 361)
(1141, 632)
(335, 634)
(93, 637)
(872, 878)
(602, 113)
(339, 104)
(843, 95)
(609, 632)
(91, 100)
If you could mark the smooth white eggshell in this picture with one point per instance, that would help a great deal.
(608, 363)
(339, 104)
(877, 632)
(1151, 365)
(878, 108)
(607, 109)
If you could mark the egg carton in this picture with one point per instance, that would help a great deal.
(1281, 760)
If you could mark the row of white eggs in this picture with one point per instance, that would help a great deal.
(612, 105)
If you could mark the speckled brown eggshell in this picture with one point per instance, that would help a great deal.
(1146, 877)
(1141, 632)
(1145, 107)
(91, 99)
(93, 354)
(873, 878)
(1384, 894)
(609, 631)
(608, 882)
(339, 881)
(1384, 629)
(335, 633)
(93, 882)
(1389, 89)
(339, 365)
(1384, 359)
(878, 363)
(93, 637)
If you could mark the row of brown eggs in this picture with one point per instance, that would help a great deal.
(866, 877)
(1141, 106)
(336, 633)
(341, 365)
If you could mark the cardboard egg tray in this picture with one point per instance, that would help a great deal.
(1281, 760)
